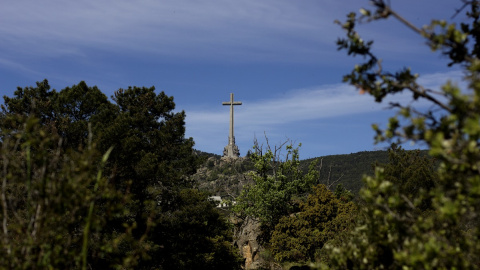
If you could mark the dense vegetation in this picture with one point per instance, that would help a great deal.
(275, 185)
(321, 218)
(228, 178)
(87, 183)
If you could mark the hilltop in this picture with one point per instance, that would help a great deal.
(227, 177)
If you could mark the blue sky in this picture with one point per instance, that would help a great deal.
(277, 56)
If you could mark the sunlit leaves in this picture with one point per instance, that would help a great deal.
(395, 233)
(276, 182)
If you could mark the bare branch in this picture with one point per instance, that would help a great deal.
(319, 170)
(465, 4)
(407, 23)
(328, 177)
(409, 203)
(36, 224)
(335, 181)
(423, 93)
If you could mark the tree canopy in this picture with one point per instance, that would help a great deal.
(301, 236)
(127, 209)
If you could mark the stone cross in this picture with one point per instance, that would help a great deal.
(231, 150)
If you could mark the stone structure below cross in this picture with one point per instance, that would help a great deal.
(231, 150)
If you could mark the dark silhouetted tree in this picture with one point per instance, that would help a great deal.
(150, 162)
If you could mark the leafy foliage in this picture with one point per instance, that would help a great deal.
(50, 213)
(322, 217)
(37, 101)
(202, 238)
(78, 106)
(343, 194)
(414, 175)
(393, 233)
(276, 183)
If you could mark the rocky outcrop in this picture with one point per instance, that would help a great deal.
(247, 232)
(224, 177)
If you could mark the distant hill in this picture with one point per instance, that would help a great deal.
(222, 178)
(347, 169)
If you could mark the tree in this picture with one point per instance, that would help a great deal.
(66, 113)
(150, 161)
(301, 236)
(149, 140)
(76, 107)
(34, 101)
(392, 233)
(343, 194)
(194, 235)
(411, 173)
(276, 184)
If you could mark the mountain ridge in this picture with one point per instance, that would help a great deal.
(226, 178)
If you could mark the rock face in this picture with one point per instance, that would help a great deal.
(246, 234)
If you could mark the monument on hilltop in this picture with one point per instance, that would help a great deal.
(231, 150)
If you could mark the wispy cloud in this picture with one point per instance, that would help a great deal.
(163, 27)
(115, 43)
(319, 102)
(269, 30)
(18, 66)
(276, 116)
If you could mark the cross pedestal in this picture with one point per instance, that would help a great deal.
(231, 150)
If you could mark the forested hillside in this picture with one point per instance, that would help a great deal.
(349, 169)
(226, 178)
